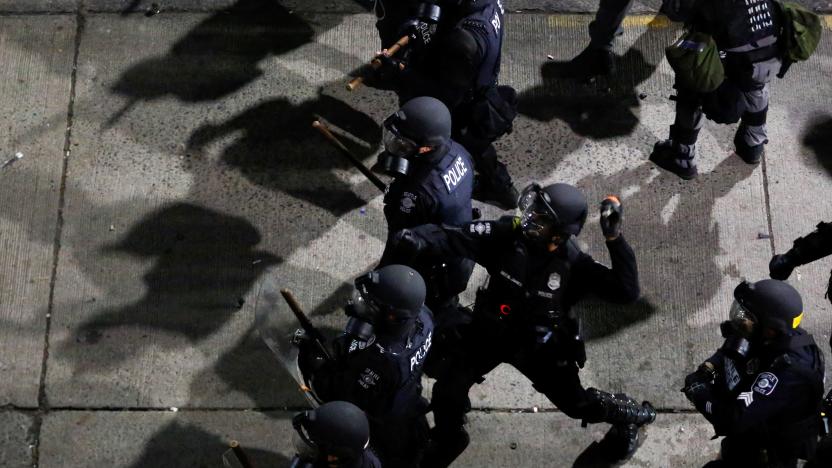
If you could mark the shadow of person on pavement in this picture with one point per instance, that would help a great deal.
(606, 109)
(818, 137)
(218, 56)
(277, 144)
(204, 263)
(659, 226)
(184, 443)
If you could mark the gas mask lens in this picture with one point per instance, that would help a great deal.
(741, 319)
(398, 145)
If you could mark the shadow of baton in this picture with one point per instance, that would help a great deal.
(375, 63)
(321, 127)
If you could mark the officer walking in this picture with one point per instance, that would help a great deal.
(454, 55)
(805, 250)
(522, 317)
(336, 434)
(433, 180)
(746, 31)
(378, 361)
(762, 389)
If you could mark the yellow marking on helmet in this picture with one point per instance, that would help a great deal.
(796, 320)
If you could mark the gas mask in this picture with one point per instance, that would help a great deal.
(398, 151)
(739, 331)
(369, 319)
(539, 222)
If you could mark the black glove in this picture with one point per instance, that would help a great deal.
(698, 384)
(407, 246)
(389, 69)
(612, 213)
(781, 266)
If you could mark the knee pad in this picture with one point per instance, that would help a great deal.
(755, 119)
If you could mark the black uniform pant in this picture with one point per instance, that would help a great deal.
(484, 347)
(492, 171)
(736, 453)
(400, 444)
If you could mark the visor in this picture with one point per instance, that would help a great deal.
(396, 144)
(303, 444)
(537, 215)
(741, 318)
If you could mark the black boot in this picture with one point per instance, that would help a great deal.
(621, 442)
(445, 446)
(676, 158)
(627, 417)
(592, 62)
(749, 154)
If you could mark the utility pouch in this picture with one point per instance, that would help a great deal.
(696, 62)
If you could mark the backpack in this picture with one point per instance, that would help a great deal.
(801, 31)
(695, 60)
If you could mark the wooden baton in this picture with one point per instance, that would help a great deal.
(375, 63)
(321, 127)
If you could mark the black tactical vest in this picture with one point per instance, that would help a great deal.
(525, 289)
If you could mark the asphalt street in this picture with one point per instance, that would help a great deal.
(169, 168)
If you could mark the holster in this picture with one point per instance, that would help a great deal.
(493, 112)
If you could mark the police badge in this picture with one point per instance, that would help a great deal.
(554, 281)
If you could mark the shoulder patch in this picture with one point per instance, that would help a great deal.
(765, 383)
(554, 281)
(480, 228)
(368, 378)
(408, 202)
(454, 174)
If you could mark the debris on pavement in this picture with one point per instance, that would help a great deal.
(11, 161)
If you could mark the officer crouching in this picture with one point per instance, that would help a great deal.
(762, 389)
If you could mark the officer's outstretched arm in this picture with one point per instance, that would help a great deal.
(805, 250)
(476, 240)
(618, 284)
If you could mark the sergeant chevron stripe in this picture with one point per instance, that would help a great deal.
(746, 397)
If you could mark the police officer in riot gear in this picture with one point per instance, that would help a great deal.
(762, 389)
(378, 361)
(336, 434)
(433, 180)
(746, 32)
(454, 55)
(522, 316)
(805, 250)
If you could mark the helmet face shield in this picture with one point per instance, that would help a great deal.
(397, 144)
(304, 446)
(741, 319)
(538, 219)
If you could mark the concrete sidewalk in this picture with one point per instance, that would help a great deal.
(169, 165)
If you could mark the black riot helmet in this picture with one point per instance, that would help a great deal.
(420, 122)
(765, 305)
(336, 433)
(551, 214)
(389, 299)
